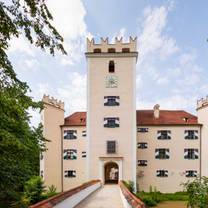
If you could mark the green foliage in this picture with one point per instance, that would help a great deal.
(129, 185)
(197, 191)
(20, 145)
(50, 192)
(33, 189)
(149, 201)
(153, 197)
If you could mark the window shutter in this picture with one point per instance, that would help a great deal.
(196, 153)
(196, 135)
(117, 121)
(167, 152)
(105, 121)
(169, 134)
(156, 153)
(105, 100)
(158, 134)
(65, 134)
(185, 153)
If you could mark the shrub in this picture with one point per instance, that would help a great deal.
(149, 201)
(129, 185)
(51, 192)
(197, 191)
(34, 189)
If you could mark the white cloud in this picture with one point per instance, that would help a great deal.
(21, 45)
(152, 39)
(68, 17)
(74, 93)
(166, 72)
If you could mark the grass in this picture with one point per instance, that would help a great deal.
(154, 197)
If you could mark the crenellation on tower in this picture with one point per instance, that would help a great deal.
(118, 47)
(202, 102)
(52, 101)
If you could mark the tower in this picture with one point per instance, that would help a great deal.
(51, 160)
(202, 113)
(111, 110)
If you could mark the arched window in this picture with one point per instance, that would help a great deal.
(111, 50)
(111, 67)
(97, 50)
(125, 50)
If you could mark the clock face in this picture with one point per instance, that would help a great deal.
(111, 81)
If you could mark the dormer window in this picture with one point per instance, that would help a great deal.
(111, 100)
(186, 119)
(111, 67)
(97, 50)
(111, 122)
(111, 50)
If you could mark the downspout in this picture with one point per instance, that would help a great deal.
(62, 180)
(200, 162)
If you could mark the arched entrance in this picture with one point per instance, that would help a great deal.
(111, 172)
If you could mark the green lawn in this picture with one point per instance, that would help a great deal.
(154, 197)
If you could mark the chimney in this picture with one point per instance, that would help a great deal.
(156, 109)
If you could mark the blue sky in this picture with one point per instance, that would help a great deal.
(173, 52)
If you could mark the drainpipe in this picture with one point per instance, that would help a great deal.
(62, 182)
(200, 162)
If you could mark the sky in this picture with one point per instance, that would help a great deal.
(172, 66)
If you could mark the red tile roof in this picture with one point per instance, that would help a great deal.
(144, 117)
(167, 117)
(76, 119)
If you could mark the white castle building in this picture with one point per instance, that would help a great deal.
(113, 140)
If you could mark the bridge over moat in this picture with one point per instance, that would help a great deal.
(93, 194)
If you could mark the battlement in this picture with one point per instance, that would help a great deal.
(202, 102)
(52, 101)
(105, 47)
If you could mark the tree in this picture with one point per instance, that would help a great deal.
(197, 191)
(20, 145)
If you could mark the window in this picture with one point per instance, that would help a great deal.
(162, 154)
(84, 133)
(162, 173)
(41, 173)
(70, 154)
(84, 154)
(41, 156)
(164, 134)
(142, 145)
(191, 134)
(125, 50)
(111, 50)
(111, 100)
(142, 130)
(142, 162)
(111, 122)
(70, 134)
(97, 50)
(111, 147)
(191, 154)
(70, 173)
(191, 173)
(111, 67)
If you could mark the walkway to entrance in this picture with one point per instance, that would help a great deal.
(106, 197)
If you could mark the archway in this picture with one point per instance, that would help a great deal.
(111, 172)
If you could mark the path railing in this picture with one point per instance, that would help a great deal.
(71, 198)
(129, 199)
